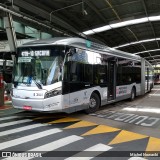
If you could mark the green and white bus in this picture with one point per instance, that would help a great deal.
(71, 74)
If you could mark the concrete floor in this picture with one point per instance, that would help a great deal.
(116, 131)
(141, 115)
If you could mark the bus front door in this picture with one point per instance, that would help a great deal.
(111, 80)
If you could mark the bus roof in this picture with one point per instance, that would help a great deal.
(81, 43)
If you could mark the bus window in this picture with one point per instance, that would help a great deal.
(88, 73)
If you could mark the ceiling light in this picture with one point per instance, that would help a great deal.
(154, 18)
(130, 22)
(101, 29)
(120, 24)
(140, 20)
(137, 42)
(147, 51)
(89, 32)
(127, 23)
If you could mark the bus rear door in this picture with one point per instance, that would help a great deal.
(111, 80)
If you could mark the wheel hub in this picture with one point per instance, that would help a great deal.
(92, 102)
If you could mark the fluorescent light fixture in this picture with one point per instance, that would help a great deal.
(147, 51)
(130, 22)
(154, 18)
(113, 49)
(124, 45)
(140, 20)
(137, 42)
(124, 24)
(101, 29)
(120, 24)
(89, 32)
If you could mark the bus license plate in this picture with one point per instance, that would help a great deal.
(27, 107)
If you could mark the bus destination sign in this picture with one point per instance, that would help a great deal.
(35, 53)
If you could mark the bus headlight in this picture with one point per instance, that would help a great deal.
(53, 93)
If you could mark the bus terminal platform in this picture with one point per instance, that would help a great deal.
(127, 127)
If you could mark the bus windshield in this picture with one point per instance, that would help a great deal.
(39, 65)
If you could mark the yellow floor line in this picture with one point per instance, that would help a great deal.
(153, 144)
(100, 129)
(66, 119)
(126, 136)
(81, 124)
(45, 117)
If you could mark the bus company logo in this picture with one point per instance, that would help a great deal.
(30, 155)
(6, 154)
(121, 90)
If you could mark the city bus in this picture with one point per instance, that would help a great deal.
(72, 74)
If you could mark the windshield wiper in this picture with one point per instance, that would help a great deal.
(37, 83)
(16, 82)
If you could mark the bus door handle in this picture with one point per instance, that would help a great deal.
(87, 85)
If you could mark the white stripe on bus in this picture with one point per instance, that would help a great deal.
(29, 138)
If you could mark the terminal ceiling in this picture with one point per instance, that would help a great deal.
(128, 25)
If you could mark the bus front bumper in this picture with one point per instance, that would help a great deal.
(39, 105)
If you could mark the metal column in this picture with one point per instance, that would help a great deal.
(142, 76)
(1, 90)
(8, 22)
(10, 32)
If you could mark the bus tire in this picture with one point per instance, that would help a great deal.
(133, 94)
(93, 104)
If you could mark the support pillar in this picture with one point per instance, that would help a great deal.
(1, 90)
(142, 76)
(8, 21)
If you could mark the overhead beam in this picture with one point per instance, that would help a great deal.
(118, 17)
(10, 32)
(104, 19)
(145, 8)
(46, 15)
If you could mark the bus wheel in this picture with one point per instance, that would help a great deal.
(93, 104)
(133, 94)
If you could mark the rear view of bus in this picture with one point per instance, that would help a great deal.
(37, 77)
